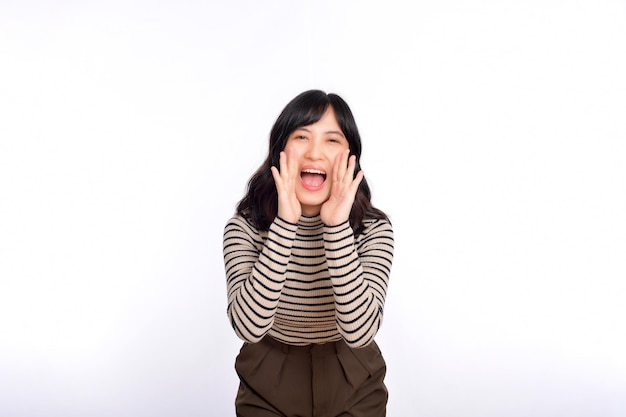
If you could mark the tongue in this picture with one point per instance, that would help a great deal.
(312, 180)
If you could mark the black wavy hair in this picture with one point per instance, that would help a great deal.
(260, 203)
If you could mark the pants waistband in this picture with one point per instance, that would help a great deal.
(310, 348)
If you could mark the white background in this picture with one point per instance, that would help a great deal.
(494, 136)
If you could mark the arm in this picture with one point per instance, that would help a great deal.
(255, 274)
(359, 271)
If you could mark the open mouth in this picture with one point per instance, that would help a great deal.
(313, 178)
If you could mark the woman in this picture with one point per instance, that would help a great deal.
(307, 260)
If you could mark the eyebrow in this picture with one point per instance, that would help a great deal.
(337, 132)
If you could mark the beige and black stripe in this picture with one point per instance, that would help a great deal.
(307, 282)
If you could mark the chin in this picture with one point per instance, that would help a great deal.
(311, 207)
(312, 198)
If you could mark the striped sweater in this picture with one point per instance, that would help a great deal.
(307, 282)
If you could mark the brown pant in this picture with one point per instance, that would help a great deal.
(328, 380)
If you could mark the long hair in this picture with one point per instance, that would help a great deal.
(260, 203)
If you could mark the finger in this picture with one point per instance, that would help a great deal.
(357, 180)
(275, 173)
(292, 166)
(283, 163)
(349, 174)
(340, 166)
(278, 181)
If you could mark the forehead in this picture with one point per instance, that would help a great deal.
(328, 122)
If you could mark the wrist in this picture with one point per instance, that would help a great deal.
(335, 224)
(286, 220)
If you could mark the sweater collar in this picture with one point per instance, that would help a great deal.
(310, 220)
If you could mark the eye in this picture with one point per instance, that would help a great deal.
(300, 137)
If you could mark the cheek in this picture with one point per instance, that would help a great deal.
(292, 151)
(334, 155)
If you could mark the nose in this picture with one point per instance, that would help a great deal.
(314, 150)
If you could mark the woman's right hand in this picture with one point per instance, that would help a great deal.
(289, 207)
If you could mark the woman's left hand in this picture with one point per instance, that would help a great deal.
(344, 186)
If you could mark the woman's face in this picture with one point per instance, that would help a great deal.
(314, 149)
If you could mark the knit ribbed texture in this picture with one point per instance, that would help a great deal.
(307, 282)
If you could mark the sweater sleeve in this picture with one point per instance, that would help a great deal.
(359, 270)
(255, 274)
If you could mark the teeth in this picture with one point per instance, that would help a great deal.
(314, 171)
